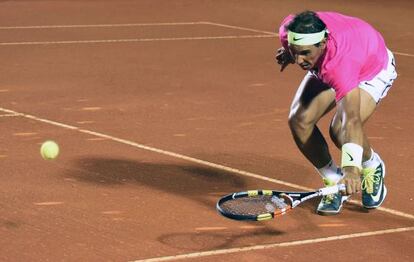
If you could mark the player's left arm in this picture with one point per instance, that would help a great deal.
(352, 131)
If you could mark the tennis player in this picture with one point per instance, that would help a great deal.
(348, 67)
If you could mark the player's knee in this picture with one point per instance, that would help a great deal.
(300, 122)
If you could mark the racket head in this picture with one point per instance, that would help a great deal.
(255, 205)
(259, 205)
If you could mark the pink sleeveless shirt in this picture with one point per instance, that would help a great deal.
(355, 52)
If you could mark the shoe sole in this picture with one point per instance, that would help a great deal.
(333, 212)
(385, 189)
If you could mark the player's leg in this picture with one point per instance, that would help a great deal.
(373, 168)
(373, 172)
(313, 99)
(367, 108)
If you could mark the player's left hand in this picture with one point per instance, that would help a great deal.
(351, 179)
(284, 58)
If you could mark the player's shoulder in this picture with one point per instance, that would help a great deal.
(335, 20)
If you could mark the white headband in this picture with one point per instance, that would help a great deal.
(306, 39)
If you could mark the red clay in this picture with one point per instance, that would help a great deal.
(220, 100)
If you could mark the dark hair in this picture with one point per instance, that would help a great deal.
(307, 22)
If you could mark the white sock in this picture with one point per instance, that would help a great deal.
(373, 162)
(331, 172)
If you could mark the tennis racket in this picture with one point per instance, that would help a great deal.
(259, 205)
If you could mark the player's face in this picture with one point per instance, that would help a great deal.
(307, 56)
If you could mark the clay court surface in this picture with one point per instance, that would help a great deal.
(161, 107)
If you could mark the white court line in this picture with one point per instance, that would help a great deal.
(8, 115)
(241, 28)
(228, 169)
(134, 40)
(283, 244)
(403, 54)
(191, 159)
(270, 34)
(133, 25)
(97, 25)
(156, 150)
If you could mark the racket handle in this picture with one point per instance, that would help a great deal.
(332, 189)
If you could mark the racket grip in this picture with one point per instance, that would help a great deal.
(332, 189)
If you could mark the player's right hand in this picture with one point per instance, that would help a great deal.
(284, 58)
(351, 180)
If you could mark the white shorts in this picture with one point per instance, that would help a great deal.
(378, 86)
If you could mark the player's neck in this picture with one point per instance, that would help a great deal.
(319, 63)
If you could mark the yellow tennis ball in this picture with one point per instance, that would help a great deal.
(49, 150)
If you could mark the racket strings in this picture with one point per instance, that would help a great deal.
(255, 205)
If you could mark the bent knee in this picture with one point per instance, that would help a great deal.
(301, 121)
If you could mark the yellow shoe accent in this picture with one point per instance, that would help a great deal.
(368, 179)
(328, 198)
(328, 182)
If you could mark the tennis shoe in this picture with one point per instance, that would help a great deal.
(331, 204)
(373, 187)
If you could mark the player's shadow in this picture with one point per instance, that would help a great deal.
(191, 180)
(204, 185)
(198, 183)
(187, 180)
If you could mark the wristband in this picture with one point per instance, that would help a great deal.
(352, 155)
